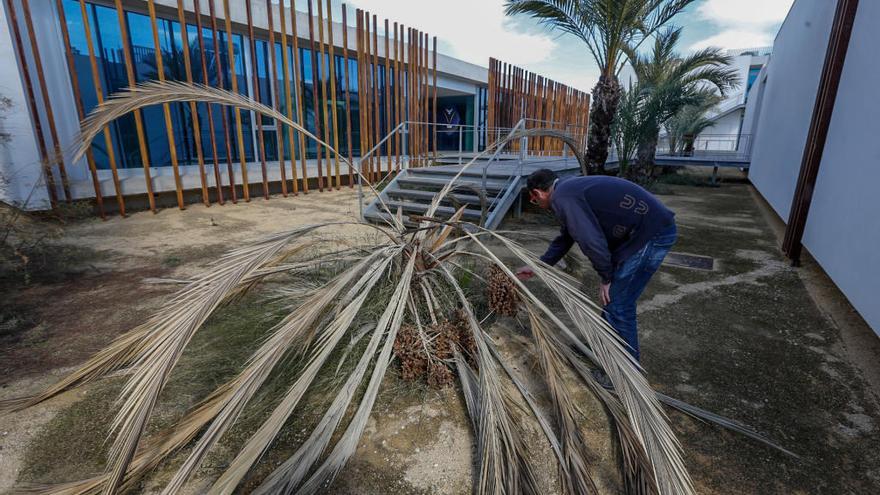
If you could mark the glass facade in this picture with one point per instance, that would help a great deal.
(109, 52)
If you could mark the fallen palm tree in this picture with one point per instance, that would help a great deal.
(425, 318)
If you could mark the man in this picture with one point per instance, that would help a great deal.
(623, 229)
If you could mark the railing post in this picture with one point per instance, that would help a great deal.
(405, 132)
(360, 191)
(460, 133)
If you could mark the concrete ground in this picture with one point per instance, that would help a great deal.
(756, 340)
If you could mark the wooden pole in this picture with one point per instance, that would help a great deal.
(80, 111)
(298, 84)
(277, 100)
(387, 83)
(376, 108)
(366, 68)
(230, 54)
(99, 95)
(47, 103)
(315, 103)
(359, 46)
(820, 123)
(434, 83)
(218, 67)
(206, 81)
(398, 51)
(426, 99)
(193, 109)
(255, 78)
(333, 98)
(325, 99)
(138, 122)
(347, 95)
(417, 95)
(166, 109)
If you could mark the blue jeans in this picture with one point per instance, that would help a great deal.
(630, 279)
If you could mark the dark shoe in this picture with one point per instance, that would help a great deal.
(602, 379)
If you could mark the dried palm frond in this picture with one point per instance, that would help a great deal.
(421, 315)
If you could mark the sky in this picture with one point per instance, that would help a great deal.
(474, 30)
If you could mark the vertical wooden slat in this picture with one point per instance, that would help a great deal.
(138, 121)
(299, 85)
(398, 51)
(80, 111)
(197, 129)
(366, 128)
(347, 95)
(410, 95)
(277, 101)
(376, 108)
(218, 67)
(387, 82)
(99, 95)
(255, 77)
(315, 102)
(207, 81)
(490, 90)
(434, 83)
(366, 70)
(325, 99)
(230, 54)
(426, 98)
(417, 95)
(166, 109)
(47, 103)
(359, 46)
(334, 111)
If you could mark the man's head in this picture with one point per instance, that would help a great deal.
(539, 185)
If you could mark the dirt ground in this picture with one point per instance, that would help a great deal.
(755, 340)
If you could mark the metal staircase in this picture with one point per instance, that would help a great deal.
(487, 197)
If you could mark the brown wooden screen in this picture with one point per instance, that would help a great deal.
(396, 81)
(516, 94)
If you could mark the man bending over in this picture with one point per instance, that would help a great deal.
(623, 229)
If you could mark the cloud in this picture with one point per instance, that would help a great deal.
(735, 38)
(471, 30)
(745, 12)
(743, 23)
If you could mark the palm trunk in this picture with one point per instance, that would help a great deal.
(645, 159)
(606, 97)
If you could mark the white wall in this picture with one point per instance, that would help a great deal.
(843, 227)
(792, 81)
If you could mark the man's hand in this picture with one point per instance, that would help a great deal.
(524, 273)
(605, 293)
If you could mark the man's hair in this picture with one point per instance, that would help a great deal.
(541, 179)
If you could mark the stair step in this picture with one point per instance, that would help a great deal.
(474, 171)
(438, 183)
(428, 196)
(442, 211)
(381, 216)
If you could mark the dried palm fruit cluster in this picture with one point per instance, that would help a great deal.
(428, 355)
(502, 295)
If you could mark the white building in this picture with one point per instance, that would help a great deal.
(725, 135)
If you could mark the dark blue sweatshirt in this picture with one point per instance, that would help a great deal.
(610, 218)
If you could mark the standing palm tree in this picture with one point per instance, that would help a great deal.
(610, 28)
(671, 82)
(684, 127)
